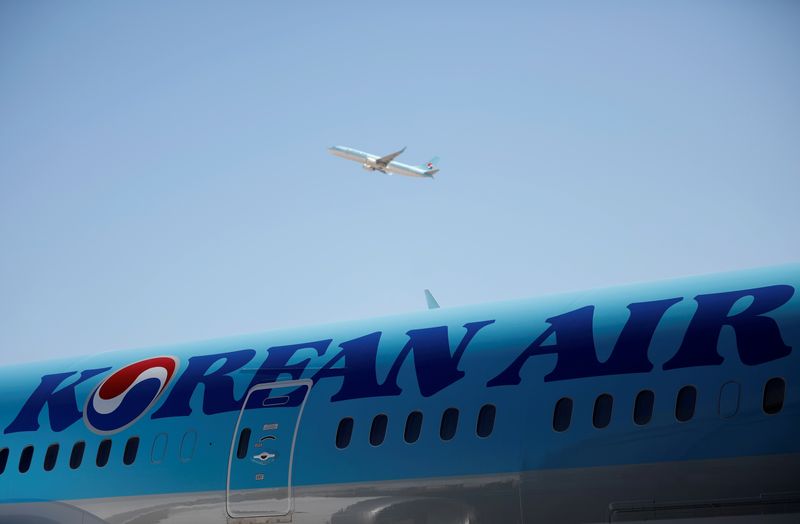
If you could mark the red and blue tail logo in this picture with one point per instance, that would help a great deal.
(125, 396)
(431, 165)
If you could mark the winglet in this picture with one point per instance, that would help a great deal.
(432, 304)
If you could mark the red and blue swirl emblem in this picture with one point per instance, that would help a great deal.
(123, 397)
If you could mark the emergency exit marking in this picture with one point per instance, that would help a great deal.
(268, 427)
(260, 476)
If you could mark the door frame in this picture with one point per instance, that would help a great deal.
(259, 387)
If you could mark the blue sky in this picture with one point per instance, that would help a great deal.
(164, 174)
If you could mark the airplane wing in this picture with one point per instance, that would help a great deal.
(384, 160)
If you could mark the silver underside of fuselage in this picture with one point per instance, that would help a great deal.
(744, 490)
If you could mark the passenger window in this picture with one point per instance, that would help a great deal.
(684, 404)
(3, 459)
(25, 459)
(447, 430)
(188, 445)
(344, 433)
(377, 433)
(413, 427)
(774, 392)
(244, 443)
(103, 452)
(729, 399)
(486, 420)
(159, 449)
(562, 414)
(602, 410)
(643, 407)
(50, 457)
(131, 448)
(76, 457)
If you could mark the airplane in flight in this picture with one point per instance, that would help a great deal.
(386, 164)
(675, 401)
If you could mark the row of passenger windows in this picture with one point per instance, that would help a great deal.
(101, 459)
(685, 401)
(75, 456)
(772, 403)
(413, 426)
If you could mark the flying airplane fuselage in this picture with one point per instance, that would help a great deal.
(385, 164)
(674, 400)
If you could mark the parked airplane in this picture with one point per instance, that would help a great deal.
(677, 401)
(386, 164)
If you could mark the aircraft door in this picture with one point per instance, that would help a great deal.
(262, 451)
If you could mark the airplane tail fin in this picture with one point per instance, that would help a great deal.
(431, 167)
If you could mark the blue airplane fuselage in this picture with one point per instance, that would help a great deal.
(645, 401)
